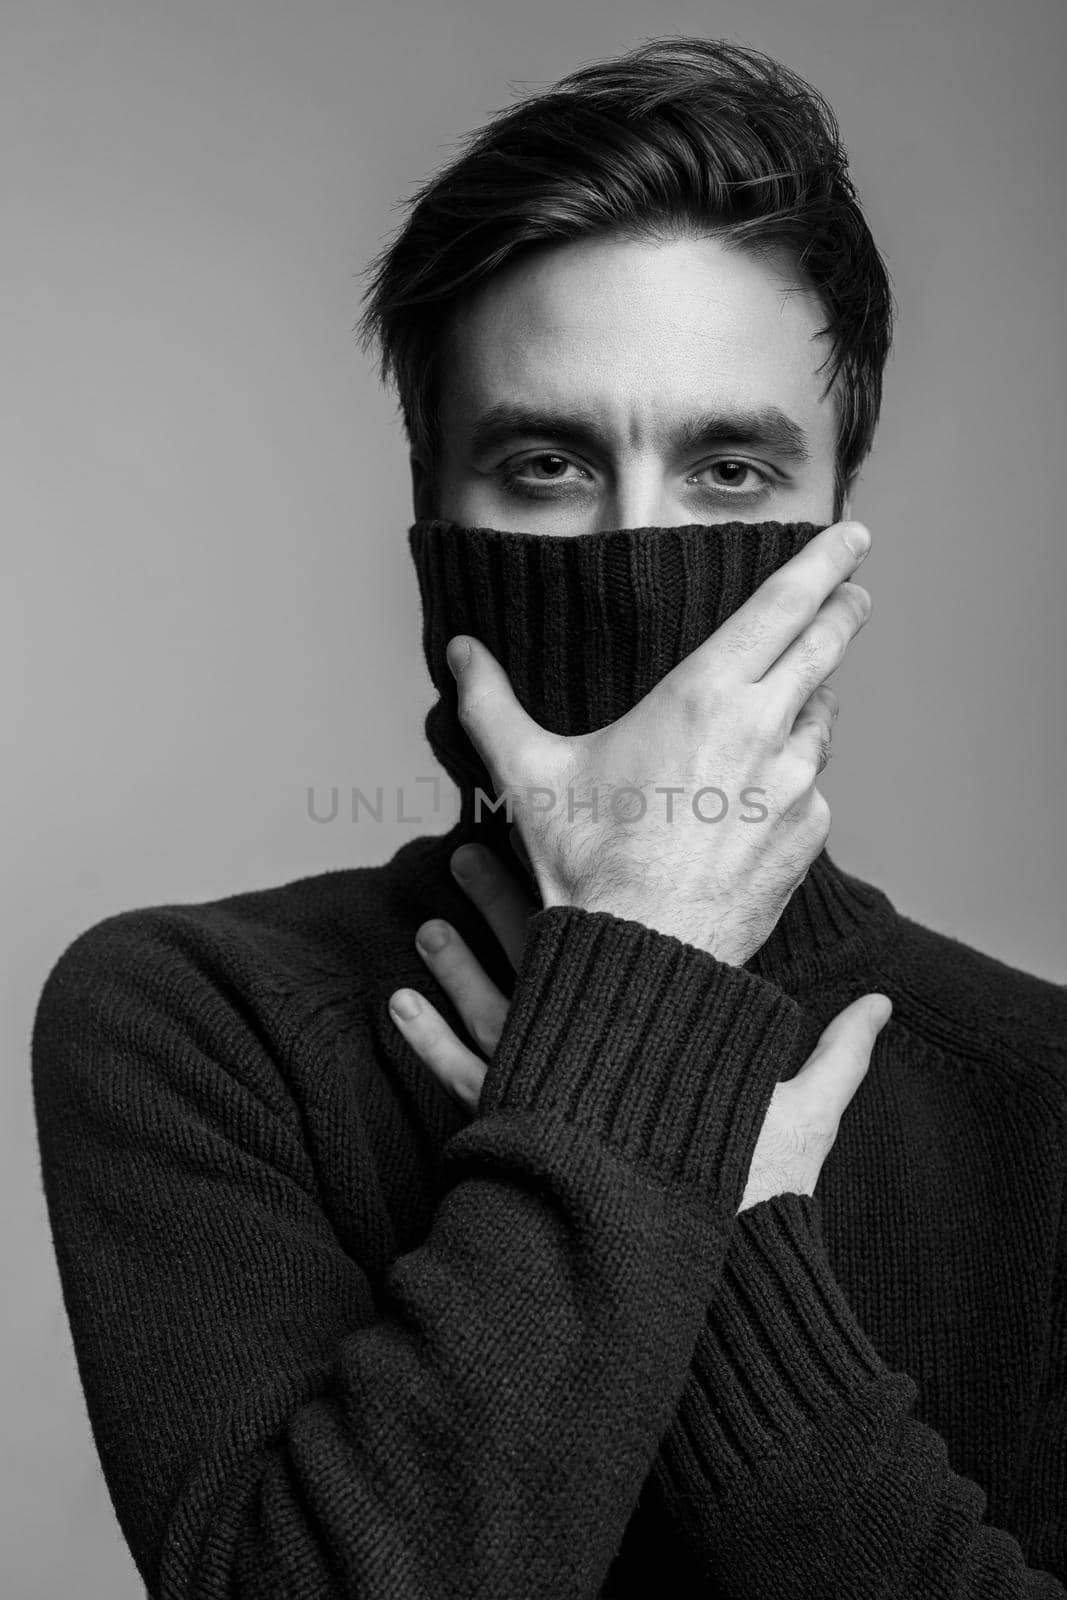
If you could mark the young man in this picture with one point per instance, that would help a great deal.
(659, 1313)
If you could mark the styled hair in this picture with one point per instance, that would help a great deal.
(679, 136)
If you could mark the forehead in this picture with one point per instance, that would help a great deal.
(638, 332)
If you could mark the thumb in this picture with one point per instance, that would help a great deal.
(500, 730)
(838, 1064)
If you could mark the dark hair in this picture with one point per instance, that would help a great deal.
(679, 135)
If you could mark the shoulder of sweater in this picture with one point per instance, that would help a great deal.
(973, 1004)
(332, 934)
(165, 1017)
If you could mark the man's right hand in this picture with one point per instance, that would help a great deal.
(748, 710)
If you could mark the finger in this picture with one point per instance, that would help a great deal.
(838, 1064)
(458, 1069)
(497, 894)
(822, 704)
(813, 730)
(819, 651)
(750, 641)
(459, 972)
(491, 717)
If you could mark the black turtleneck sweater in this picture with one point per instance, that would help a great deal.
(337, 1340)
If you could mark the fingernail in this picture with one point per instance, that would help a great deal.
(458, 653)
(432, 937)
(404, 1004)
(465, 863)
(857, 537)
(880, 1009)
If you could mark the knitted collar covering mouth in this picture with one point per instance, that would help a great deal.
(585, 625)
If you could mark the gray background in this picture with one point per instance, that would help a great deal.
(209, 604)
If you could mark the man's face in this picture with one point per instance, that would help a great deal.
(617, 383)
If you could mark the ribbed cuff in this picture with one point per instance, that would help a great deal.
(659, 1049)
(781, 1347)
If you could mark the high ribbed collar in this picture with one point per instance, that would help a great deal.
(585, 625)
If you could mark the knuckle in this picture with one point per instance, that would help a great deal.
(748, 634)
(857, 604)
(792, 1142)
(812, 649)
(838, 635)
(691, 699)
(473, 707)
(864, 603)
(793, 792)
(804, 1130)
(768, 723)
(819, 815)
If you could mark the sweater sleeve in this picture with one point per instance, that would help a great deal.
(796, 1468)
(273, 1418)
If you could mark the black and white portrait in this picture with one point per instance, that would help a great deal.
(534, 999)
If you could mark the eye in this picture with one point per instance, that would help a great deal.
(520, 480)
(555, 462)
(734, 468)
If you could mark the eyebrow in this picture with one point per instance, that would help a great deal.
(766, 428)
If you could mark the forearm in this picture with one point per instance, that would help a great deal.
(794, 1464)
(273, 1420)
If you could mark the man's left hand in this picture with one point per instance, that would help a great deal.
(802, 1119)
(507, 908)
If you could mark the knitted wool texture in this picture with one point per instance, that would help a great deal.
(584, 625)
(337, 1340)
